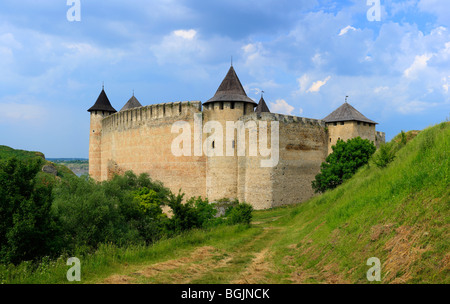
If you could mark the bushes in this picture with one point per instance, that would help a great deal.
(27, 228)
(385, 155)
(342, 163)
(42, 216)
(240, 214)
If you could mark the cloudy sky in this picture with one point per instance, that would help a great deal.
(306, 55)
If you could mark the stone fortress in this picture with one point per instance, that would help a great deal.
(140, 138)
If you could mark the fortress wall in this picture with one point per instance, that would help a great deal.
(302, 149)
(140, 139)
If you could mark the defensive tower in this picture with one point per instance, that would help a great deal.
(228, 104)
(101, 109)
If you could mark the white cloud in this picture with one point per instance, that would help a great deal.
(315, 87)
(317, 59)
(415, 106)
(180, 46)
(303, 83)
(346, 29)
(281, 106)
(380, 89)
(419, 64)
(439, 8)
(446, 83)
(186, 34)
(18, 112)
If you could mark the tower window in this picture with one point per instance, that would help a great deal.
(335, 124)
(232, 105)
(221, 105)
(330, 139)
(213, 144)
(232, 144)
(342, 123)
(359, 123)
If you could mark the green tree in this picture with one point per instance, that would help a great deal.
(343, 162)
(28, 231)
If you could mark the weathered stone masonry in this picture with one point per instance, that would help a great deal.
(139, 138)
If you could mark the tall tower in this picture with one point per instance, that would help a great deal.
(228, 104)
(101, 109)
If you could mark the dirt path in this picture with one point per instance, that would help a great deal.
(249, 263)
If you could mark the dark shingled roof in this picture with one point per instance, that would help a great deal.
(102, 104)
(231, 89)
(132, 103)
(262, 107)
(347, 113)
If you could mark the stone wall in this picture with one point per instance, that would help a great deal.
(302, 149)
(140, 139)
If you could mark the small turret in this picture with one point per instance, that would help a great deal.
(262, 107)
(131, 104)
(345, 123)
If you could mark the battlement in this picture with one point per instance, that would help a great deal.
(283, 118)
(138, 116)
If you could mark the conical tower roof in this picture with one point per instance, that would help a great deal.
(132, 103)
(102, 104)
(231, 89)
(347, 113)
(262, 107)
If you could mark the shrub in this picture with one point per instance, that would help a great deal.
(240, 214)
(342, 163)
(385, 155)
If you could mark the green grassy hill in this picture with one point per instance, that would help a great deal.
(8, 152)
(398, 214)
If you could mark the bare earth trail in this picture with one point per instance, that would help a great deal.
(247, 263)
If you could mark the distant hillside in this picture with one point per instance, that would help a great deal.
(48, 167)
(79, 166)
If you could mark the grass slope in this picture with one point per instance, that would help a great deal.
(8, 152)
(399, 214)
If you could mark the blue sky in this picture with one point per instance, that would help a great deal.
(306, 55)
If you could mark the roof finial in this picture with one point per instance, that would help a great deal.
(346, 99)
(262, 93)
(133, 92)
(231, 60)
(103, 85)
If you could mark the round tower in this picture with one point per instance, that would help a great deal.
(226, 107)
(101, 109)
